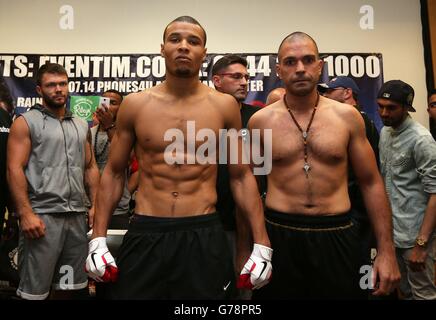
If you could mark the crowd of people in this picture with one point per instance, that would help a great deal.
(204, 224)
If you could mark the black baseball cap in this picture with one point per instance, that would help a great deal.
(398, 91)
(340, 82)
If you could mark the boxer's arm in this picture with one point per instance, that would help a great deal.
(112, 179)
(376, 201)
(92, 177)
(257, 270)
(242, 181)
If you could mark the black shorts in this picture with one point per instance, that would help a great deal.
(314, 257)
(174, 258)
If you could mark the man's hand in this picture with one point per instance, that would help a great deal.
(32, 225)
(417, 259)
(257, 270)
(104, 116)
(100, 265)
(386, 275)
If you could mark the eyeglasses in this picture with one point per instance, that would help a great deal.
(236, 75)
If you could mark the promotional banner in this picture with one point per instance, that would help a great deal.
(91, 75)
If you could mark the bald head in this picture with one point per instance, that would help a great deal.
(298, 36)
(275, 95)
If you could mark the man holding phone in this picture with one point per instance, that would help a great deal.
(102, 134)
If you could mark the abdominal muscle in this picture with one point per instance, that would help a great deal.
(324, 192)
(176, 190)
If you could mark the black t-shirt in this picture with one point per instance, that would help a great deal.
(225, 203)
(355, 194)
(5, 124)
(433, 128)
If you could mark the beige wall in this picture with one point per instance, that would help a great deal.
(134, 26)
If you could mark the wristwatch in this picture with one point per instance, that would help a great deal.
(420, 242)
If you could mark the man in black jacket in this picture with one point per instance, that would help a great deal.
(345, 90)
(6, 111)
(229, 75)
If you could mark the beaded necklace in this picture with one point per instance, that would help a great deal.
(305, 133)
(98, 155)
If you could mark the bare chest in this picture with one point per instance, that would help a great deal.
(159, 126)
(326, 141)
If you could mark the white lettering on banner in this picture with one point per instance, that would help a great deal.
(7, 65)
(15, 65)
(158, 67)
(342, 66)
(82, 66)
(120, 67)
(69, 64)
(94, 74)
(263, 67)
(85, 66)
(23, 102)
(208, 83)
(357, 66)
(89, 86)
(251, 65)
(203, 72)
(21, 69)
(255, 85)
(141, 64)
(372, 66)
(95, 62)
(122, 86)
(106, 65)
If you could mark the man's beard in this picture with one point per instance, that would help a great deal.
(387, 122)
(240, 97)
(183, 73)
(51, 103)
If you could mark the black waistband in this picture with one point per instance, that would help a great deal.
(308, 222)
(144, 223)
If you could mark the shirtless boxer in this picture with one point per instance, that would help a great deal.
(175, 246)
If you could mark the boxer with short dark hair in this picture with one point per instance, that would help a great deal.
(175, 246)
